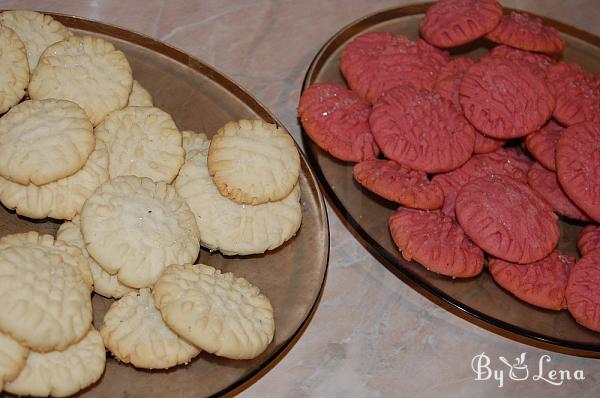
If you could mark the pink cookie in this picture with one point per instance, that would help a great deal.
(542, 144)
(583, 291)
(589, 239)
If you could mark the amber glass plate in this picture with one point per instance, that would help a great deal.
(201, 99)
(479, 299)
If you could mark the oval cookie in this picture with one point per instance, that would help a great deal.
(337, 120)
(578, 166)
(220, 313)
(436, 241)
(105, 284)
(583, 291)
(86, 70)
(441, 141)
(541, 63)
(142, 141)
(45, 291)
(14, 70)
(394, 182)
(253, 162)
(542, 144)
(507, 219)
(375, 62)
(134, 227)
(230, 227)
(542, 283)
(139, 96)
(526, 32)
(62, 373)
(61, 199)
(44, 141)
(450, 23)
(589, 239)
(12, 359)
(505, 98)
(135, 333)
(36, 30)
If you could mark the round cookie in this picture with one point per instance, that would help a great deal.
(541, 63)
(105, 284)
(583, 291)
(86, 70)
(36, 30)
(505, 98)
(545, 183)
(12, 359)
(14, 70)
(194, 143)
(62, 373)
(220, 313)
(526, 32)
(577, 94)
(45, 288)
(253, 162)
(485, 144)
(507, 219)
(61, 199)
(44, 141)
(504, 162)
(394, 182)
(589, 239)
(139, 96)
(337, 120)
(436, 241)
(142, 141)
(542, 283)
(375, 62)
(440, 142)
(542, 144)
(578, 166)
(135, 333)
(448, 80)
(230, 227)
(134, 227)
(450, 23)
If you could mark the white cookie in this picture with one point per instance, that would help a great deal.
(61, 199)
(14, 71)
(253, 162)
(62, 373)
(142, 141)
(12, 359)
(139, 96)
(86, 70)
(105, 284)
(37, 31)
(45, 289)
(230, 227)
(134, 227)
(44, 141)
(193, 143)
(135, 333)
(219, 313)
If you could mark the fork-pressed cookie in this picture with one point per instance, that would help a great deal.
(44, 141)
(62, 373)
(12, 359)
(37, 31)
(105, 284)
(253, 162)
(135, 333)
(86, 70)
(230, 227)
(61, 199)
(134, 227)
(220, 313)
(139, 96)
(14, 70)
(142, 141)
(45, 289)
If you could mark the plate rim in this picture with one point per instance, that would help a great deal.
(435, 295)
(220, 78)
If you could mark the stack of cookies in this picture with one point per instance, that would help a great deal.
(139, 198)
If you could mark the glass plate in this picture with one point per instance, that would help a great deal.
(201, 99)
(479, 299)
